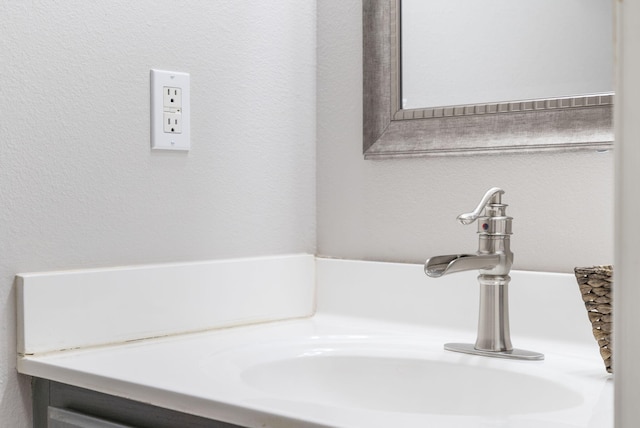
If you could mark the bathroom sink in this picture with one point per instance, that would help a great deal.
(408, 385)
(378, 374)
(342, 372)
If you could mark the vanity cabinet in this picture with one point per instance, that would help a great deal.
(61, 418)
(57, 405)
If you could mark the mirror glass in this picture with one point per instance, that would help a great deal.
(461, 52)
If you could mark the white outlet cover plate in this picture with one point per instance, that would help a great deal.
(160, 139)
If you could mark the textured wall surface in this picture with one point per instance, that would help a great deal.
(405, 210)
(79, 186)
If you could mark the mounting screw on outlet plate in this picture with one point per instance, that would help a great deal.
(170, 110)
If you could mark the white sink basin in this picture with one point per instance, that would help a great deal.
(408, 385)
(385, 374)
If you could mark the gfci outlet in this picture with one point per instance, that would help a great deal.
(170, 110)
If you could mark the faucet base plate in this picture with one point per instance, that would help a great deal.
(517, 354)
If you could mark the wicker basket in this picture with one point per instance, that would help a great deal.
(596, 288)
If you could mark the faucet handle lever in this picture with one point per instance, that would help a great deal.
(493, 195)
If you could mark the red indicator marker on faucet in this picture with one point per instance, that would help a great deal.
(485, 226)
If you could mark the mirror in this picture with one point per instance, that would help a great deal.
(497, 50)
(555, 97)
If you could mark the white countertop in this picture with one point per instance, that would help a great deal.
(197, 338)
(192, 373)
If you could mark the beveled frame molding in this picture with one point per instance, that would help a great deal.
(557, 124)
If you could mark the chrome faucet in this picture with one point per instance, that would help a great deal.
(493, 260)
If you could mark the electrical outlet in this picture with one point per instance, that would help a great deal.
(172, 97)
(170, 110)
(172, 123)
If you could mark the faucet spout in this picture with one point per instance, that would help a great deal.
(437, 266)
(493, 260)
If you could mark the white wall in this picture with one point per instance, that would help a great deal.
(79, 186)
(627, 258)
(405, 210)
